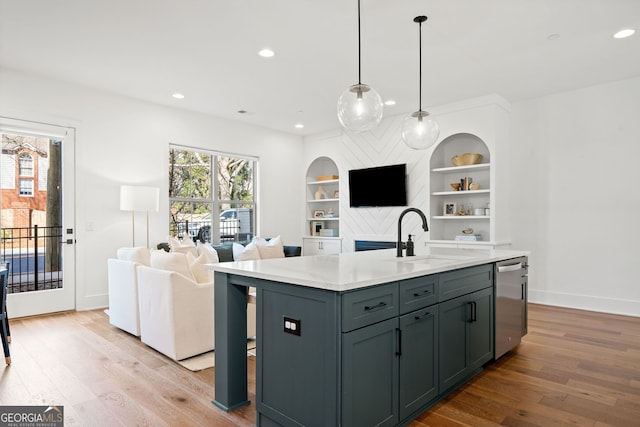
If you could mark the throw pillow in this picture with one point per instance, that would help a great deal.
(138, 254)
(245, 253)
(270, 249)
(208, 251)
(183, 246)
(172, 261)
(201, 274)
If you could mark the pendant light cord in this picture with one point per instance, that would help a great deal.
(359, 47)
(420, 66)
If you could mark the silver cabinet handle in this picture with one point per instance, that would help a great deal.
(510, 267)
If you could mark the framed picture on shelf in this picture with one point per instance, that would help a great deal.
(316, 226)
(318, 214)
(449, 209)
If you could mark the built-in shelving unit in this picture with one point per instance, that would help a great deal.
(454, 211)
(322, 223)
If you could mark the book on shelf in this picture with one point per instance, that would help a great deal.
(468, 237)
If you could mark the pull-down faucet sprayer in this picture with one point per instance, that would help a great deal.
(400, 244)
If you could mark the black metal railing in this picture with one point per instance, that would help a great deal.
(34, 257)
(201, 230)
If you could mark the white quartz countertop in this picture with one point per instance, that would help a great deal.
(353, 270)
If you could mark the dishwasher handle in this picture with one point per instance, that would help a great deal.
(510, 267)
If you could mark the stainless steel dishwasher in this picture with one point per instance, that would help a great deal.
(510, 304)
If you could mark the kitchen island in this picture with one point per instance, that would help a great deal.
(355, 339)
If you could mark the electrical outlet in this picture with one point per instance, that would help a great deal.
(292, 326)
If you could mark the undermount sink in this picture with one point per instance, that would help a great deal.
(432, 259)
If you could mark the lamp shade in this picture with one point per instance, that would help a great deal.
(141, 199)
(420, 130)
(360, 108)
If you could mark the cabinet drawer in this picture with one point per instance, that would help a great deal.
(368, 306)
(464, 281)
(418, 293)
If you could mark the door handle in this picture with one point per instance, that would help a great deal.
(510, 267)
(398, 342)
(472, 311)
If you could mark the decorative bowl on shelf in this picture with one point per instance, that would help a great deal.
(466, 159)
(455, 186)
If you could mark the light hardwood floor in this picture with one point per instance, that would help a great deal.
(574, 368)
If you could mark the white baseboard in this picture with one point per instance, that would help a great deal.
(586, 302)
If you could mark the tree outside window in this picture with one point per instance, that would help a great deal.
(205, 185)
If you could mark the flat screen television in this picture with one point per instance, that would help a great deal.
(378, 186)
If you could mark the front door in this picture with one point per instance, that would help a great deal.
(37, 222)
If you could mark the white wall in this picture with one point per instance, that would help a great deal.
(124, 141)
(571, 163)
(574, 199)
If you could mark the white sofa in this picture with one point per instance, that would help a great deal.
(123, 288)
(165, 303)
(176, 313)
(176, 296)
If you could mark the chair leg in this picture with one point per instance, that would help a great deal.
(5, 343)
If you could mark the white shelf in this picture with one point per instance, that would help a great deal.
(460, 217)
(322, 200)
(316, 245)
(326, 181)
(479, 166)
(460, 193)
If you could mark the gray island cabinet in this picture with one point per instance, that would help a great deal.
(376, 351)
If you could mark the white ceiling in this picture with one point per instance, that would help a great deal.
(207, 50)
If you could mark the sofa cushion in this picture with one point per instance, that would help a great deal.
(172, 261)
(200, 273)
(224, 251)
(183, 246)
(208, 251)
(245, 253)
(137, 254)
(272, 248)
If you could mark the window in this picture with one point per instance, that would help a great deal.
(26, 186)
(25, 162)
(204, 186)
(25, 169)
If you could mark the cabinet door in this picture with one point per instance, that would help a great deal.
(370, 375)
(481, 328)
(454, 316)
(418, 359)
(321, 246)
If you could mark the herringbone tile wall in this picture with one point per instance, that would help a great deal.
(382, 146)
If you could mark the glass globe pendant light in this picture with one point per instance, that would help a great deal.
(360, 106)
(420, 130)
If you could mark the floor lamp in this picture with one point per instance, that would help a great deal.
(141, 199)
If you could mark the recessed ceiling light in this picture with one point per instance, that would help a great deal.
(178, 96)
(266, 53)
(389, 102)
(553, 36)
(622, 34)
(299, 126)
